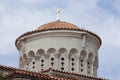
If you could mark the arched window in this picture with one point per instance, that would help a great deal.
(41, 57)
(42, 63)
(24, 58)
(95, 66)
(52, 58)
(31, 58)
(31, 54)
(21, 62)
(72, 59)
(90, 63)
(62, 59)
(82, 61)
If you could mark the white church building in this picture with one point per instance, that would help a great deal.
(56, 50)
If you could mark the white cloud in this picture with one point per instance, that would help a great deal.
(84, 13)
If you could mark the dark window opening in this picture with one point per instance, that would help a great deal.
(33, 67)
(33, 62)
(62, 68)
(72, 64)
(81, 64)
(72, 59)
(72, 69)
(52, 59)
(42, 60)
(81, 60)
(62, 59)
(62, 63)
(52, 63)
(42, 65)
(88, 63)
(81, 70)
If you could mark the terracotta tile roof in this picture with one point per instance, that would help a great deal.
(58, 25)
(7, 68)
(92, 77)
(28, 74)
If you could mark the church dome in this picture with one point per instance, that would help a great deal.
(58, 25)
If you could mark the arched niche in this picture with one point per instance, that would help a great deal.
(31, 54)
(40, 52)
(62, 59)
(24, 58)
(51, 51)
(82, 61)
(73, 59)
(90, 64)
(62, 51)
(83, 54)
(21, 62)
(95, 66)
(40, 55)
(90, 58)
(73, 52)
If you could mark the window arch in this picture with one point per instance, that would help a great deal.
(24, 58)
(62, 59)
(95, 66)
(40, 52)
(21, 62)
(82, 61)
(51, 51)
(52, 58)
(90, 63)
(31, 54)
(41, 57)
(72, 59)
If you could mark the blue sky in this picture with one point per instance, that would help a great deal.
(99, 16)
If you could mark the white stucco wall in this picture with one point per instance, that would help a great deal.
(78, 49)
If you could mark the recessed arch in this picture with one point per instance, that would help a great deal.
(83, 54)
(73, 59)
(90, 64)
(31, 54)
(95, 66)
(73, 51)
(96, 61)
(24, 57)
(51, 51)
(62, 59)
(82, 61)
(62, 51)
(90, 57)
(40, 52)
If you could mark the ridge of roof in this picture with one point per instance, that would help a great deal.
(76, 74)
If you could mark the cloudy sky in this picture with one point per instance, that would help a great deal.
(99, 16)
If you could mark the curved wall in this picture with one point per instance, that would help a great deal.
(66, 51)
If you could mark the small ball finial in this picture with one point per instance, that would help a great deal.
(58, 14)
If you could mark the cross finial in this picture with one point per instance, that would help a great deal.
(58, 14)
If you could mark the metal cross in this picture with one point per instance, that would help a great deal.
(58, 14)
